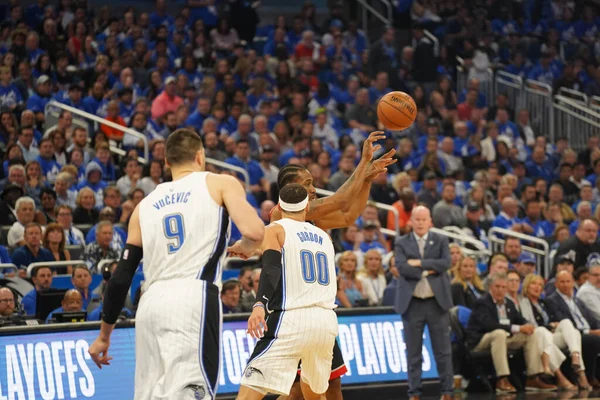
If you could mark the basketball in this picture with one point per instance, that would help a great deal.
(396, 111)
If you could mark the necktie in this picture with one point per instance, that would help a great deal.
(421, 243)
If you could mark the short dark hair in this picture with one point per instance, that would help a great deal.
(242, 141)
(182, 146)
(511, 238)
(229, 285)
(33, 224)
(293, 193)
(76, 267)
(47, 190)
(36, 270)
(288, 174)
(579, 271)
(247, 268)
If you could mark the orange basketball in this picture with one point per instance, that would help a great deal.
(396, 111)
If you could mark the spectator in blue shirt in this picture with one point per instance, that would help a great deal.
(380, 87)
(505, 125)
(95, 100)
(42, 280)
(37, 101)
(93, 180)
(242, 159)
(160, 16)
(10, 96)
(300, 144)
(533, 219)
(543, 71)
(507, 219)
(584, 211)
(481, 101)
(72, 302)
(373, 238)
(593, 177)
(96, 313)
(50, 168)
(535, 167)
(81, 278)
(32, 251)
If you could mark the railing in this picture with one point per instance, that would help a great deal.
(595, 103)
(367, 8)
(8, 266)
(455, 233)
(436, 42)
(380, 206)
(542, 254)
(145, 159)
(231, 167)
(574, 95)
(575, 121)
(511, 85)
(51, 264)
(538, 100)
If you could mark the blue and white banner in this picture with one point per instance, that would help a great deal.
(57, 365)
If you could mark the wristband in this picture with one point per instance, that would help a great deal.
(258, 304)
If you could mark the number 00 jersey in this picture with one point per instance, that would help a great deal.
(184, 232)
(308, 268)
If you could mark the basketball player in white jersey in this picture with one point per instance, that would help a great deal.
(297, 289)
(183, 228)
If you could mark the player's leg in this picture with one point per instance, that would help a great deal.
(338, 368)
(317, 355)
(295, 391)
(247, 393)
(308, 393)
(148, 366)
(273, 364)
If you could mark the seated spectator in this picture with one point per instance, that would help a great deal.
(495, 325)
(512, 249)
(72, 302)
(54, 241)
(581, 276)
(563, 263)
(25, 209)
(429, 195)
(562, 304)
(64, 217)
(582, 247)
(153, 176)
(350, 289)
(31, 251)
(525, 265)
(35, 181)
(42, 280)
(112, 199)
(230, 296)
(466, 286)
(93, 181)
(81, 280)
(131, 178)
(445, 212)
(50, 168)
(456, 255)
(86, 212)
(372, 277)
(104, 160)
(48, 200)
(555, 197)
(513, 287)
(242, 159)
(96, 313)
(498, 264)
(553, 336)
(25, 142)
(373, 238)
(508, 217)
(404, 206)
(164, 102)
(584, 211)
(249, 298)
(589, 293)
(245, 280)
(102, 248)
(62, 185)
(7, 303)
(345, 168)
(119, 235)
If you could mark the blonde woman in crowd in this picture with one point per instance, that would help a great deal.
(350, 288)
(372, 277)
(456, 256)
(552, 336)
(466, 287)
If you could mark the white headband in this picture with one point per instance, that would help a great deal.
(293, 207)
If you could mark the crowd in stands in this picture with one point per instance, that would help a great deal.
(303, 90)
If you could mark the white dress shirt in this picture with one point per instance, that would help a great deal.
(589, 295)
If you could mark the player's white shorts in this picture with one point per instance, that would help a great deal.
(177, 341)
(305, 334)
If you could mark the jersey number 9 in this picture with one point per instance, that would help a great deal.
(174, 231)
(311, 274)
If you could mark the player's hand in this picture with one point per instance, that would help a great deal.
(239, 250)
(257, 326)
(99, 352)
(380, 165)
(369, 148)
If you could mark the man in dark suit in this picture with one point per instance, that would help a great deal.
(563, 304)
(496, 325)
(423, 297)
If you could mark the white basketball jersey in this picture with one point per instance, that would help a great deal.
(308, 276)
(184, 232)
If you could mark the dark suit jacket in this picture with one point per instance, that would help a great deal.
(463, 297)
(559, 310)
(436, 258)
(484, 319)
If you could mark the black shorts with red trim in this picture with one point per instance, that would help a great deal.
(338, 367)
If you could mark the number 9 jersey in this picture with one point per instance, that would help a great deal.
(308, 276)
(184, 232)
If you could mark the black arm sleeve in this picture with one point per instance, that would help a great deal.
(119, 283)
(269, 276)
